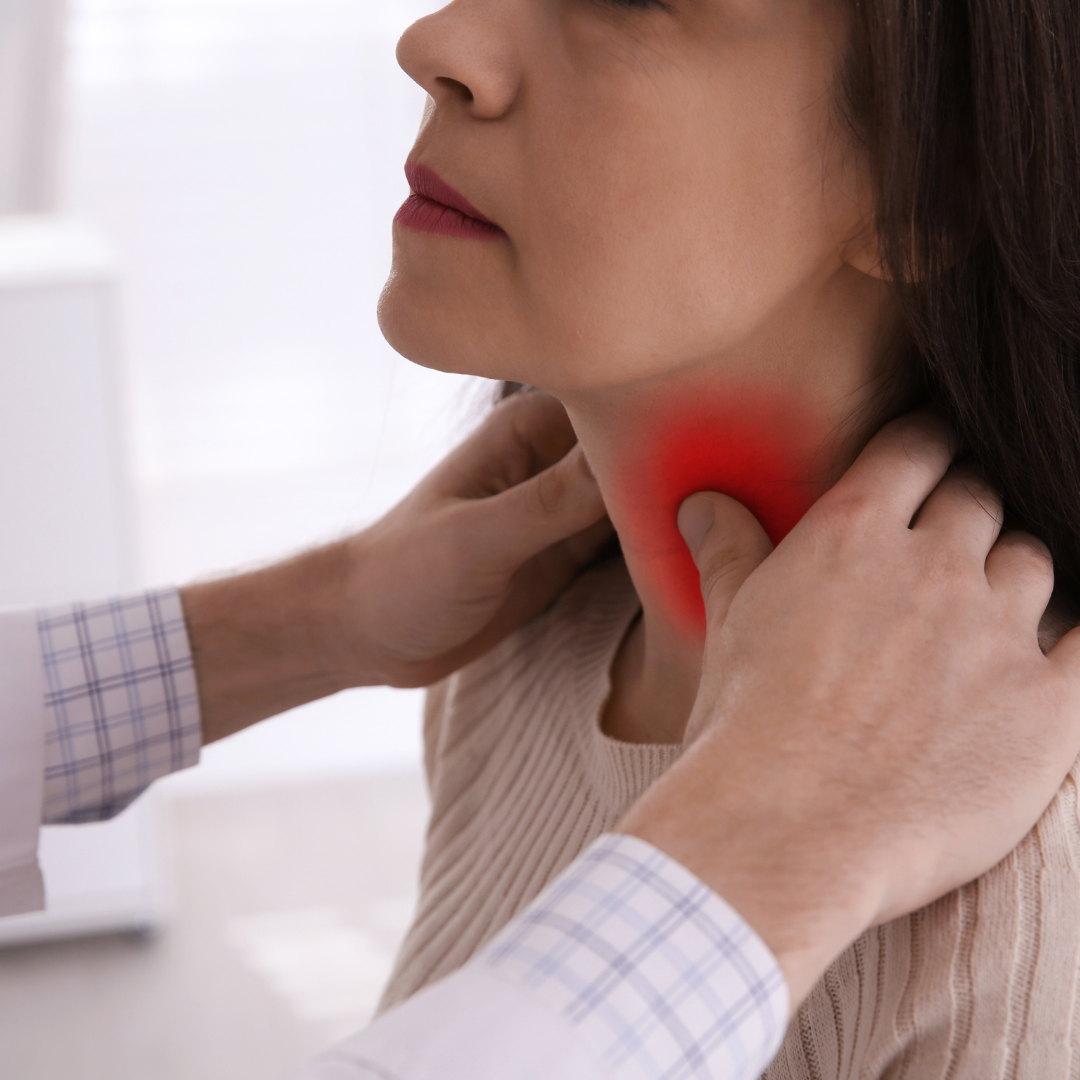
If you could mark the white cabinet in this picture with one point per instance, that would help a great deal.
(65, 525)
(64, 515)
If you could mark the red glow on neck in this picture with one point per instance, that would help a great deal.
(756, 447)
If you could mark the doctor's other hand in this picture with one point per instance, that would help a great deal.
(485, 542)
(876, 723)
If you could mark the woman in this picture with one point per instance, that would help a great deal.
(733, 237)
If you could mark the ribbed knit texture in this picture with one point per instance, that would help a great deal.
(981, 985)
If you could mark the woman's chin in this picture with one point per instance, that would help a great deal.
(468, 331)
(423, 338)
(437, 333)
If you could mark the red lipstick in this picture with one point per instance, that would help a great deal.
(435, 207)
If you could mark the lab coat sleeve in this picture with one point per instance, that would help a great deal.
(22, 752)
(97, 700)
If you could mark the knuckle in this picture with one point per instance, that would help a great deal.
(942, 567)
(550, 490)
(921, 435)
(722, 561)
(1031, 559)
(848, 515)
(982, 493)
(723, 568)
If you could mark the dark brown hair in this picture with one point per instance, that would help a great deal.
(971, 112)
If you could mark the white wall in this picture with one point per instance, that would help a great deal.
(245, 159)
(63, 490)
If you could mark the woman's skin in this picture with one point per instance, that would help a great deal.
(686, 234)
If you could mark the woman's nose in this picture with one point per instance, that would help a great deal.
(464, 54)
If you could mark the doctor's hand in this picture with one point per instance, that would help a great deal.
(876, 724)
(485, 542)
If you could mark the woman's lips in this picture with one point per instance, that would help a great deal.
(435, 207)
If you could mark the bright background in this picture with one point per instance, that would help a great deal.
(245, 158)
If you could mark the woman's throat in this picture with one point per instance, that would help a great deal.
(762, 449)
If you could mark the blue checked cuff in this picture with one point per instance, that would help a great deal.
(657, 974)
(121, 705)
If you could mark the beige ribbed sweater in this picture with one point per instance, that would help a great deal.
(982, 985)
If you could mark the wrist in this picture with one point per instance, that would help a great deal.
(269, 640)
(803, 890)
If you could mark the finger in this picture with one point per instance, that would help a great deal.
(550, 507)
(1066, 653)
(521, 437)
(1020, 570)
(544, 577)
(964, 511)
(898, 468)
(1062, 614)
(540, 427)
(583, 547)
(728, 545)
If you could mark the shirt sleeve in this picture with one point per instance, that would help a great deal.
(121, 704)
(626, 968)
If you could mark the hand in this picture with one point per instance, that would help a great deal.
(876, 724)
(483, 544)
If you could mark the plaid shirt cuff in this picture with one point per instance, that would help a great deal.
(657, 974)
(121, 705)
(625, 968)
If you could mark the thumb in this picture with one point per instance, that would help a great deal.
(728, 545)
(555, 504)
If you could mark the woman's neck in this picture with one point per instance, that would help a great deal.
(772, 424)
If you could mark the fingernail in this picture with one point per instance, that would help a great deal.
(696, 517)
